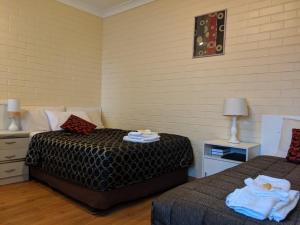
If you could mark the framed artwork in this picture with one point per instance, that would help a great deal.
(209, 37)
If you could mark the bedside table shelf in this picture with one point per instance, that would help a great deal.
(220, 158)
(238, 154)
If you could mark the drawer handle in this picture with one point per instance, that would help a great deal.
(10, 142)
(10, 171)
(10, 156)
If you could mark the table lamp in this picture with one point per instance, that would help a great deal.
(235, 107)
(13, 109)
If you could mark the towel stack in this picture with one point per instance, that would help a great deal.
(142, 136)
(264, 197)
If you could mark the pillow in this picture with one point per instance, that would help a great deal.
(93, 113)
(286, 136)
(56, 119)
(294, 151)
(77, 125)
(33, 118)
(32, 133)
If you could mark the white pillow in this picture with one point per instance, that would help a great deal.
(93, 113)
(33, 118)
(31, 134)
(56, 119)
(286, 136)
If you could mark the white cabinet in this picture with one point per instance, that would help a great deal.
(235, 155)
(212, 166)
(13, 150)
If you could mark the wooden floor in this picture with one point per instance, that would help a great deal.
(32, 203)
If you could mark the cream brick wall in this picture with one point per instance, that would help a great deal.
(50, 53)
(151, 81)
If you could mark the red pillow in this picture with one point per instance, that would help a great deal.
(77, 125)
(294, 151)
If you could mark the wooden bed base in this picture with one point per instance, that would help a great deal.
(102, 200)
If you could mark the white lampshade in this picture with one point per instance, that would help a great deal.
(235, 107)
(13, 105)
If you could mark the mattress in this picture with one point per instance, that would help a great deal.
(202, 202)
(102, 161)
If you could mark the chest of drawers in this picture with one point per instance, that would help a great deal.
(13, 150)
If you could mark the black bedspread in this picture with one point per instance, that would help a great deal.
(202, 202)
(103, 161)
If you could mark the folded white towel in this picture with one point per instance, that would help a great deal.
(143, 140)
(245, 202)
(141, 134)
(277, 183)
(135, 134)
(144, 137)
(282, 209)
(257, 202)
(280, 187)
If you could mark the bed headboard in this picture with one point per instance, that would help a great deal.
(271, 131)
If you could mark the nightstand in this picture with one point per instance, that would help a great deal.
(13, 150)
(219, 155)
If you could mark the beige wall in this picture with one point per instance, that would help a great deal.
(50, 53)
(151, 81)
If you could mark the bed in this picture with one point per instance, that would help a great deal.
(101, 170)
(202, 202)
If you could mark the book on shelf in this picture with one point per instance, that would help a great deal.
(220, 152)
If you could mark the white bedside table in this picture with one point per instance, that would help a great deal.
(212, 164)
(13, 150)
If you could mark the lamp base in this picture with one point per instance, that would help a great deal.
(233, 136)
(13, 125)
(234, 141)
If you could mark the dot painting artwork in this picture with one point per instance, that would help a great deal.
(209, 37)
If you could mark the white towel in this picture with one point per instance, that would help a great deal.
(282, 209)
(138, 134)
(259, 203)
(141, 133)
(135, 134)
(245, 202)
(141, 137)
(280, 187)
(277, 183)
(144, 136)
(143, 140)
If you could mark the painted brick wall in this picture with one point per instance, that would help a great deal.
(151, 81)
(50, 53)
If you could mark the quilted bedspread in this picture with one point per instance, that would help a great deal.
(202, 202)
(102, 161)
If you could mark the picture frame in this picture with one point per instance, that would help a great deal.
(209, 34)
